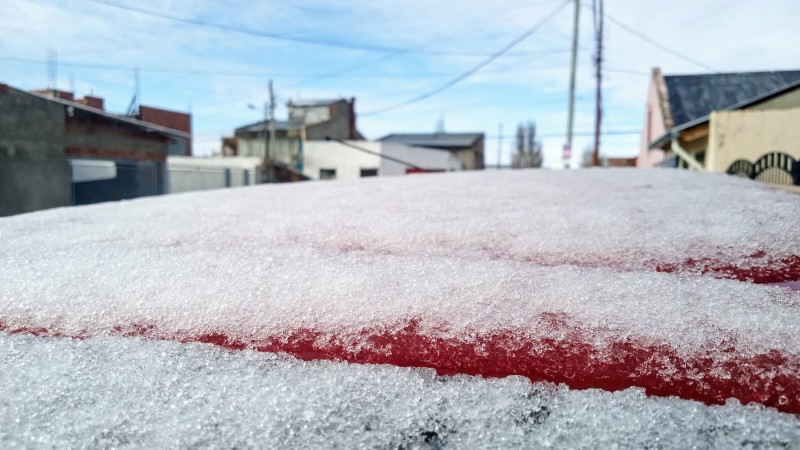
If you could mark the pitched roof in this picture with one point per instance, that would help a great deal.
(666, 137)
(694, 96)
(435, 140)
(116, 117)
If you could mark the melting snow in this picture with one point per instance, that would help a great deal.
(598, 279)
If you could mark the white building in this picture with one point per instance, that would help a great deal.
(187, 173)
(356, 159)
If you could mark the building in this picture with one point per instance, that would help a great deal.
(321, 119)
(187, 173)
(58, 151)
(689, 117)
(467, 147)
(344, 160)
(173, 120)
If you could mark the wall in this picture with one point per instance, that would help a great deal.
(310, 114)
(790, 99)
(92, 136)
(170, 119)
(197, 174)
(426, 158)
(286, 150)
(34, 173)
(338, 126)
(347, 161)
(749, 134)
(653, 128)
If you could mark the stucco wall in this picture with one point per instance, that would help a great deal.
(749, 134)
(784, 101)
(652, 129)
(34, 172)
(347, 161)
(426, 158)
(286, 150)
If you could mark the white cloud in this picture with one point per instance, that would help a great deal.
(728, 35)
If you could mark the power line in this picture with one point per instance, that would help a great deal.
(621, 132)
(286, 37)
(658, 44)
(380, 155)
(471, 71)
(228, 73)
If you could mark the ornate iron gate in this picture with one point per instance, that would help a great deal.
(775, 168)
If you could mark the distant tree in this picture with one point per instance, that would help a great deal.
(529, 150)
(587, 157)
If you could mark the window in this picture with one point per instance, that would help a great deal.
(327, 174)
(369, 173)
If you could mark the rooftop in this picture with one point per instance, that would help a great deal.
(442, 140)
(692, 97)
(312, 103)
(116, 117)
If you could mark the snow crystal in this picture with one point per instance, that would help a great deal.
(599, 278)
(118, 392)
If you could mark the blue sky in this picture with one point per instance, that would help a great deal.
(216, 74)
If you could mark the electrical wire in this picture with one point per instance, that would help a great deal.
(228, 73)
(380, 155)
(473, 70)
(657, 44)
(286, 37)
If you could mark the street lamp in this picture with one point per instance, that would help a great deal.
(265, 156)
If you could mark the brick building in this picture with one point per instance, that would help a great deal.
(58, 151)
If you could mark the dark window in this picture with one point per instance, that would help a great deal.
(327, 174)
(369, 173)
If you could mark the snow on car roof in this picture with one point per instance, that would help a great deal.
(609, 279)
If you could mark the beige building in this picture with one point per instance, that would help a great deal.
(699, 122)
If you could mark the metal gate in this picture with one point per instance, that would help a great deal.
(775, 168)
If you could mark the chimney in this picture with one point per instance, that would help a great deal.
(63, 95)
(353, 134)
(89, 100)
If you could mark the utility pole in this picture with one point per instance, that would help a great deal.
(269, 149)
(597, 9)
(499, 144)
(568, 146)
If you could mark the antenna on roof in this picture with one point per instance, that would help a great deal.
(440, 124)
(52, 69)
(133, 108)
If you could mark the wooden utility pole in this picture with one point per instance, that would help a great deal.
(269, 152)
(598, 65)
(570, 118)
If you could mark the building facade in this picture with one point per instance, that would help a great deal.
(57, 151)
(467, 147)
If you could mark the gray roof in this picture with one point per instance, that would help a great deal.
(662, 140)
(692, 97)
(434, 140)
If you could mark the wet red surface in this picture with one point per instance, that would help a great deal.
(710, 375)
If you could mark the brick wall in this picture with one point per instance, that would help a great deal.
(170, 119)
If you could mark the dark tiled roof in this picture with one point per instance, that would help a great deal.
(694, 96)
(436, 140)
